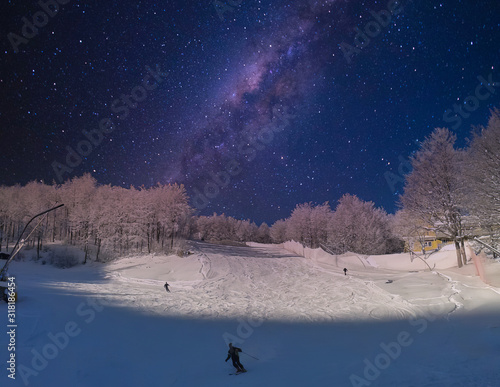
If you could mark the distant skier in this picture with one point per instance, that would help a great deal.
(345, 271)
(166, 287)
(235, 357)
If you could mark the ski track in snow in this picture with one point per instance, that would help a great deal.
(267, 283)
(455, 292)
(246, 282)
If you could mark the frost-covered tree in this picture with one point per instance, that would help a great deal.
(245, 230)
(173, 211)
(103, 219)
(394, 243)
(20, 203)
(433, 192)
(412, 231)
(4, 216)
(78, 197)
(38, 197)
(14, 214)
(482, 173)
(278, 231)
(263, 234)
(320, 218)
(298, 224)
(215, 228)
(359, 227)
(227, 228)
(308, 224)
(97, 218)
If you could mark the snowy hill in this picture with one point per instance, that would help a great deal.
(306, 322)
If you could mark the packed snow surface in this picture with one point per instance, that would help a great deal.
(300, 321)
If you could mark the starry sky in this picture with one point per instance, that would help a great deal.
(255, 106)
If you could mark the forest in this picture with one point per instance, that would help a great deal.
(450, 191)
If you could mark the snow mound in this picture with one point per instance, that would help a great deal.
(443, 259)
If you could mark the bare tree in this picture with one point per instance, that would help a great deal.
(308, 224)
(263, 234)
(432, 191)
(98, 218)
(482, 174)
(245, 230)
(359, 227)
(78, 195)
(278, 231)
(413, 232)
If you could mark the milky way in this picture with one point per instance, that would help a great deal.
(271, 78)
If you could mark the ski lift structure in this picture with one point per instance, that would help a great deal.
(4, 274)
(491, 248)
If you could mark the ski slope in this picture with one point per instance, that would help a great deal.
(306, 322)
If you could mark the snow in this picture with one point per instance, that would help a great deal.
(386, 323)
(443, 259)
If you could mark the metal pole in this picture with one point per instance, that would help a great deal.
(487, 245)
(253, 357)
(14, 252)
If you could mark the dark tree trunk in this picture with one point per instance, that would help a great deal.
(464, 255)
(98, 250)
(86, 249)
(459, 253)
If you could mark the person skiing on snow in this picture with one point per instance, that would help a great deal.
(166, 287)
(235, 357)
(345, 271)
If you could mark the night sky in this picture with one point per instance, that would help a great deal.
(256, 105)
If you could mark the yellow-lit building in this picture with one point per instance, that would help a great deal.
(430, 241)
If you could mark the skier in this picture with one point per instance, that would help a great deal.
(345, 271)
(166, 287)
(233, 354)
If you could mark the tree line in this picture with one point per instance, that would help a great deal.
(354, 225)
(449, 191)
(107, 221)
(103, 220)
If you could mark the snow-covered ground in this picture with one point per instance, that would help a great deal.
(306, 322)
